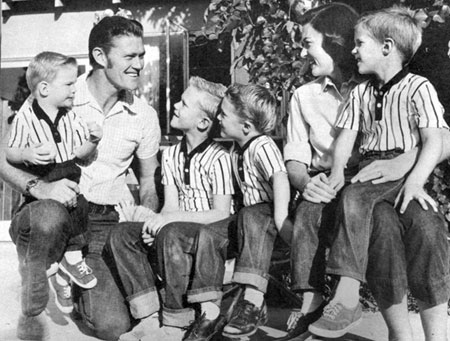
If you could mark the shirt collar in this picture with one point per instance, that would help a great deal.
(349, 84)
(40, 114)
(244, 148)
(199, 149)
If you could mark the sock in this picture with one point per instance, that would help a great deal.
(311, 301)
(60, 280)
(347, 292)
(254, 296)
(210, 309)
(73, 257)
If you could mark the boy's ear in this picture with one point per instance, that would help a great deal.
(204, 124)
(247, 127)
(100, 56)
(388, 46)
(42, 88)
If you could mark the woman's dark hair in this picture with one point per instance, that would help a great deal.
(336, 21)
(105, 30)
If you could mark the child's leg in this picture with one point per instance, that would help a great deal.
(434, 318)
(397, 321)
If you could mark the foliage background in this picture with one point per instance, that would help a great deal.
(266, 35)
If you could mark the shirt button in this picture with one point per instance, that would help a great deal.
(381, 93)
(186, 170)
(378, 105)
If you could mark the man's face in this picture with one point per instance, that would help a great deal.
(61, 90)
(187, 112)
(125, 62)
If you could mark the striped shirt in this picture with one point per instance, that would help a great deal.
(198, 175)
(253, 166)
(32, 126)
(130, 128)
(390, 118)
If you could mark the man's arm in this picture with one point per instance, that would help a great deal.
(147, 185)
(64, 191)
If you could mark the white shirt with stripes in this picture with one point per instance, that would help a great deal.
(406, 104)
(32, 126)
(130, 128)
(253, 166)
(198, 175)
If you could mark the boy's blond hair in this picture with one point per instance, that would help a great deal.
(397, 23)
(45, 66)
(212, 95)
(254, 103)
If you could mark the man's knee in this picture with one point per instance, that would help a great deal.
(123, 234)
(47, 217)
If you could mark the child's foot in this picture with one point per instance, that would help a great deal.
(203, 329)
(299, 322)
(245, 320)
(80, 273)
(63, 294)
(336, 320)
(146, 326)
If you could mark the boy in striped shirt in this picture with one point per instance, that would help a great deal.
(248, 114)
(395, 111)
(198, 186)
(48, 138)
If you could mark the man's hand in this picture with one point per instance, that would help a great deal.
(152, 226)
(411, 191)
(318, 190)
(95, 132)
(39, 154)
(63, 191)
(336, 180)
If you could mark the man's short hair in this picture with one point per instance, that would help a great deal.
(105, 30)
(212, 95)
(255, 103)
(397, 23)
(45, 66)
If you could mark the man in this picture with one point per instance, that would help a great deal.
(130, 128)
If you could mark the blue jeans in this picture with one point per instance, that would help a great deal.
(131, 258)
(189, 273)
(42, 231)
(408, 250)
(103, 308)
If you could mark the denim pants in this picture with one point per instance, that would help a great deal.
(103, 308)
(131, 258)
(42, 231)
(408, 250)
(190, 274)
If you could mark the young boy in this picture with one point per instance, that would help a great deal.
(248, 114)
(48, 138)
(395, 112)
(198, 185)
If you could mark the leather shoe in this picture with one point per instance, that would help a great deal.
(203, 329)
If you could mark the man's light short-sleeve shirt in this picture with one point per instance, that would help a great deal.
(198, 175)
(130, 128)
(253, 166)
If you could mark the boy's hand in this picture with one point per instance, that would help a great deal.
(39, 154)
(336, 180)
(318, 189)
(411, 191)
(152, 226)
(95, 132)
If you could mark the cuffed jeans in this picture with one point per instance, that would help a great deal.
(103, 308)
(131, 257)
(42, 231)
(408, 250)
(190, 273)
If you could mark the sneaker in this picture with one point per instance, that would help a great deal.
(63, 295)
(300, 323)
(245, 320)
(146, 326)
(80, 273)
(33, 327)
(203, 329)
(336, 320)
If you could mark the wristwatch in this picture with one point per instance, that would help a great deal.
(30, 184)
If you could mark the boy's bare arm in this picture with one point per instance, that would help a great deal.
(281, 197)
(429, 156)
(342, 152)
(89, 146)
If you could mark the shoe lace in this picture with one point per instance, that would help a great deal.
(331, 311)
(84, 269)
(66, 291)
(295, 316)
(243, 311)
